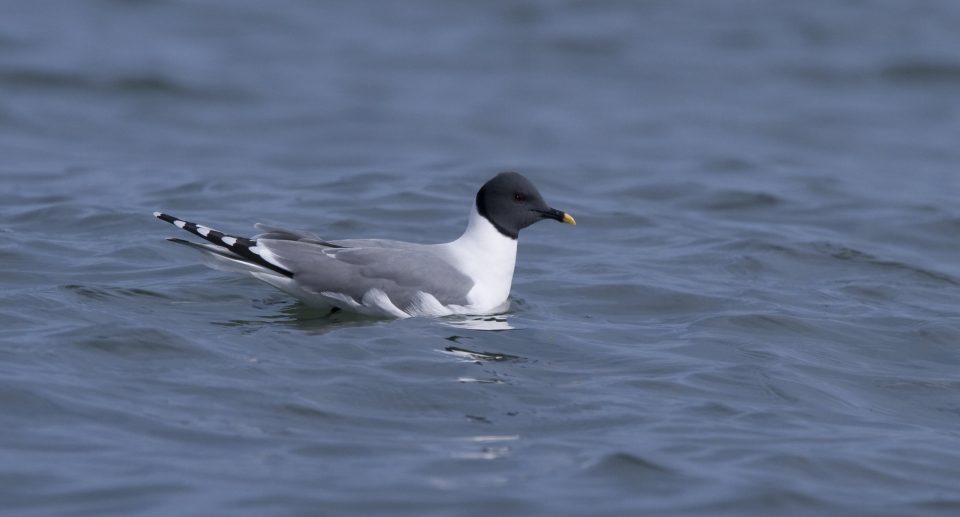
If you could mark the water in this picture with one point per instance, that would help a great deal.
(757, 313)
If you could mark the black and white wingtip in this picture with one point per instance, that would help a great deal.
(242, 246)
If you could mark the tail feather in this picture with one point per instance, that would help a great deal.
(239, 249)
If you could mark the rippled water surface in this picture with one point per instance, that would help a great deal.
(757, 313)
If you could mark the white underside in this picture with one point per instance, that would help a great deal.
(482, 253)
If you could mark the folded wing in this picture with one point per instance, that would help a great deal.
(405, 275)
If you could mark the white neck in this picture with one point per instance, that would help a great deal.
(488, 257)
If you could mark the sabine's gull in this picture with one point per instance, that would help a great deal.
(470, 275)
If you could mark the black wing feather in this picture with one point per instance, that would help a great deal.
(241, 246)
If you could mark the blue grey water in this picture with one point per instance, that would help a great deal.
(758, 312)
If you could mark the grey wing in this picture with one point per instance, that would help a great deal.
(285, 234)
(376, 243)
(401, 273)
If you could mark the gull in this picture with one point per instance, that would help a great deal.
(387, 278)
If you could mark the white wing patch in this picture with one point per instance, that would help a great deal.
(425, 304)
(348, 301)
(375, 302)
(377, 299)
(263, 249)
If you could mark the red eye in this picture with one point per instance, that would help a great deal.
(519, 197)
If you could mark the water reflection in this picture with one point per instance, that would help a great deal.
(474, 356)
(317, 320)
(496, 322)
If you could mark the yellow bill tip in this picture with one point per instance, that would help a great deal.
(567, 218)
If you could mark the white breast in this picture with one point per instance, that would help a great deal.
(488, 258)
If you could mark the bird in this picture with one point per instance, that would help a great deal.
(470, 275)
